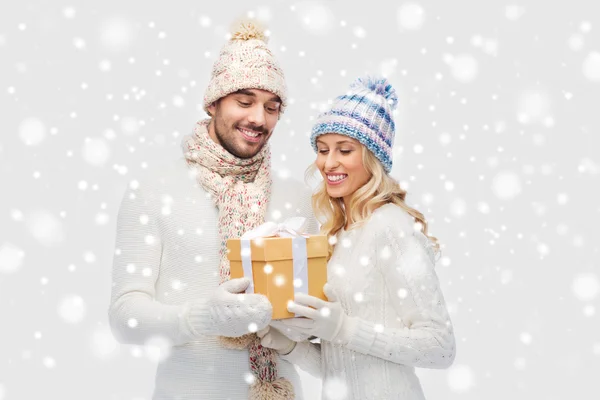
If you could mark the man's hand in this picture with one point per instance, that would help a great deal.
(235, 313)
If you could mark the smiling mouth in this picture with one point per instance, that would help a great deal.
(250, 135)
(336, 179)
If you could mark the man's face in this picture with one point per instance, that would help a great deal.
(244, 121)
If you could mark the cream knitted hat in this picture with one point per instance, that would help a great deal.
(246, 63)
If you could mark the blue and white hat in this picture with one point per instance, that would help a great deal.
(364, 114)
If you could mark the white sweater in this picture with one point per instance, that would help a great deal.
(166, 266)
(383, 274)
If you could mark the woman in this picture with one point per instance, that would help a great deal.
(386, 314)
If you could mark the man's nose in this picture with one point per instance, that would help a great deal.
(257, 115)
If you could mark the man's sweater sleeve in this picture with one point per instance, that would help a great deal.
(134, 314)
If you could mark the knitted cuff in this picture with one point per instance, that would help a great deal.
(199, 318)
(364, 337)
(347, 331)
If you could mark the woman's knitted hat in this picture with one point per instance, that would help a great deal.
(364, 114)
(245, 62)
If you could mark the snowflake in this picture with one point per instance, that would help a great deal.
(316, 18)
(463, 67)
(586, 286)
(32, 131)
(514, 12)
(525, 338)
(11, 258)
(335, 389)
(117, 34)
(520, 363)
(46, 228)
(460, 378)
(103, 344)
(49, 362)
(72, 309)
(410, 16)
(157, 348)
(591, 66)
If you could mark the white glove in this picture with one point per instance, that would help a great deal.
(326, 320)
(273, 339)
(229, 312)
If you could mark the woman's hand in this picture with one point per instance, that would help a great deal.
(326, 319)
(273, 339)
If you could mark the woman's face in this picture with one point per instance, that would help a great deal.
(339, 159)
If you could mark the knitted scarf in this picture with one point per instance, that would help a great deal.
(241, 189)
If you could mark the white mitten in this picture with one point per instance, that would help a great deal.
(273, 339)
(229, 312)
(326, 320)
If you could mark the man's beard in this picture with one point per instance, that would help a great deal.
(229, 145)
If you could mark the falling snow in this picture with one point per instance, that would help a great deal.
(11, 258)
(102, 343)
(411, 16)
(463, 67)
(72, 309)
(586, 286)
(506, 185)
(117, 34)
(315, 17)
(460, 378)
(514, 12)
(32, 131)
(95, 151)
(157, 349)
(46, 228)
(591, 66)
(335, 389)
(496, 145)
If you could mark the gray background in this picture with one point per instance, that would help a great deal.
(497, 143)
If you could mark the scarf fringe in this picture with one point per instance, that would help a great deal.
(279, 389)
(237, 343)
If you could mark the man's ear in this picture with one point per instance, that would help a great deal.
(211, 109)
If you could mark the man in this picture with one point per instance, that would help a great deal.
(171, 274)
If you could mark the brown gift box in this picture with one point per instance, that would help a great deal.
(273, 269)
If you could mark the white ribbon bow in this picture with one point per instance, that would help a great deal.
(291, 227)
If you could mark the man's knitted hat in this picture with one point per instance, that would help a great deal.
(364, 114)
(245, 62)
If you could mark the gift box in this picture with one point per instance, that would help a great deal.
(280, 265)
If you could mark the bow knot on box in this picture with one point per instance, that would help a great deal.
(291, 227)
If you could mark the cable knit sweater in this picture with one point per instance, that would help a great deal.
(166, 267)
(383, 274)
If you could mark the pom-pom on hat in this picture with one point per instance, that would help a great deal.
(364, 114)
(246, 62)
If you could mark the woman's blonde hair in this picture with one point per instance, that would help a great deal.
(380, 189)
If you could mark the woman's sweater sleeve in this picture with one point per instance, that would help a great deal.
(413, 289)
(134, 314)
